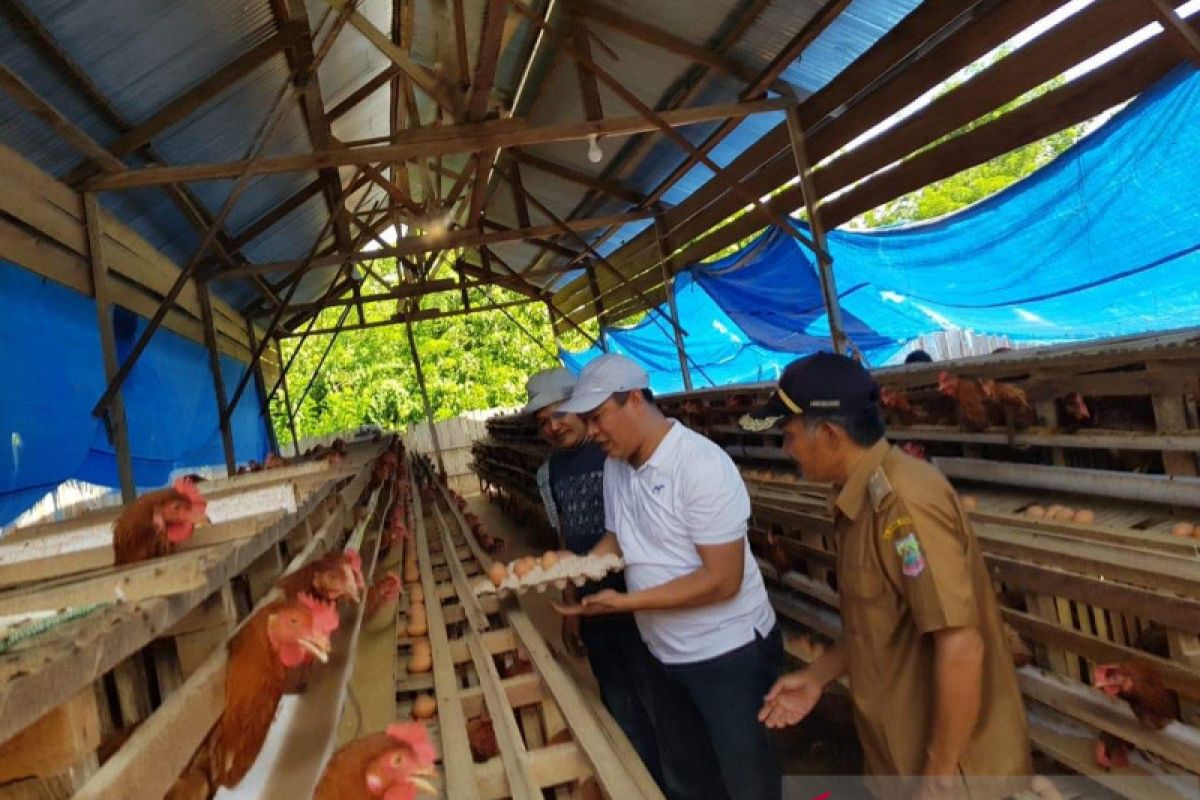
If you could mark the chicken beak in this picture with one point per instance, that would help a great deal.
(351, 583)
(317, 645)
(423, 786)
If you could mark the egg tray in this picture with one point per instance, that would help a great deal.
(577, 570)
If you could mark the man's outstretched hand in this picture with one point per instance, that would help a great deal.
(791, 699)
(606, 601)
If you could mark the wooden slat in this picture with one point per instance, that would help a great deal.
(435, 141)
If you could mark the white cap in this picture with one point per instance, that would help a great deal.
(548, 387)
(601, 379)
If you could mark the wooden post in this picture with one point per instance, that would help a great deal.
(214, 366)
(287, 401)
(824, 263)
(597, 304)
(261, 384)
(412, 346)
(664, 255)
(118, 430)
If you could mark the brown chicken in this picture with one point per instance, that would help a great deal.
(482, 737)
(394, 765)
(1011, 404)
(968, 398)
(1111, 751)
(897, 408)
(280, 637)
(1073, 412)
(386, 588)
(335, 576)
(1139, 684)
(778, 556)
(157, 523)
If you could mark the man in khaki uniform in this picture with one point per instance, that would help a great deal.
(935, 695)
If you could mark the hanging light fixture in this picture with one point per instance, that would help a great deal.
(595, 154)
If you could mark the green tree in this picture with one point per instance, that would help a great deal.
(470, 362)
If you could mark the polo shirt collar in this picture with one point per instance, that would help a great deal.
(852, 495)
(664, 449)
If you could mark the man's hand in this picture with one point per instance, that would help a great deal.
(606, 601)
(791, 699)
(571, 638)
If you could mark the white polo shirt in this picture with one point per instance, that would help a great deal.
(688, 493)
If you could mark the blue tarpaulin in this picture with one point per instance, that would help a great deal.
(1101, 242)
(53, 375)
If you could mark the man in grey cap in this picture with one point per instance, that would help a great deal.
(676, 509)
(571, 485)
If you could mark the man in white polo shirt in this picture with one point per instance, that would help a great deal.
(675, 508)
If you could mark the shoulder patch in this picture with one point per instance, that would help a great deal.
(911, 557)
(897, 525)
(879, 487)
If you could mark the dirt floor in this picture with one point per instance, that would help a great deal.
(824, 744)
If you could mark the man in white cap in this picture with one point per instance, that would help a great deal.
(571, 485)
(676, 509)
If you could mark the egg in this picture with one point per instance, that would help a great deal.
(1065, 514)
(420, 659)
(1196, 531)
(1053, 510)
(424, 707)
(1085, 516)
(1035, 512)
(411, 573)
(497, 572)
(549, 559)
(1183, 529)
(969, 502)
(418, 623)
(416, 594)
(524, 566)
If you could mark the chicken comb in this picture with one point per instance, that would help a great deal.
(191, 492)
(416, 736)
(324, 615)
(353, 559)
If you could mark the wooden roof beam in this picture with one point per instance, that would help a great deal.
(1067, 105)
(425, 142)
(181, 107)
(292, 16)
(12, 85)
(1179, 32)
(429, 83)
(414, 316)
(656, 37)
(607, 187)
(415, 245)
(495, 14)
(921, 34)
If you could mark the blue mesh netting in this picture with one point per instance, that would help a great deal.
(1101, 242)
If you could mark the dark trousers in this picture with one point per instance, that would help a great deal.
(625, 669)
(710, 741)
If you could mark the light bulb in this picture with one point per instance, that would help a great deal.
(595, 154)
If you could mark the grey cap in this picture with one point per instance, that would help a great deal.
(601, 379)
(548, 387)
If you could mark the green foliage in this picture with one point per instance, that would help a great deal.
(475, 361)
(974, 183)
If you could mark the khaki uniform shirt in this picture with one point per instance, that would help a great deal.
(909, 565)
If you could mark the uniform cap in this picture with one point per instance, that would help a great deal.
(818, 385)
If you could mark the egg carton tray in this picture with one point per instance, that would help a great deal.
(572, 569)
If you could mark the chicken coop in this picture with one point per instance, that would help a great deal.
(190, 191)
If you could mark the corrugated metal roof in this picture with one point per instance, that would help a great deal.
(141, 54)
